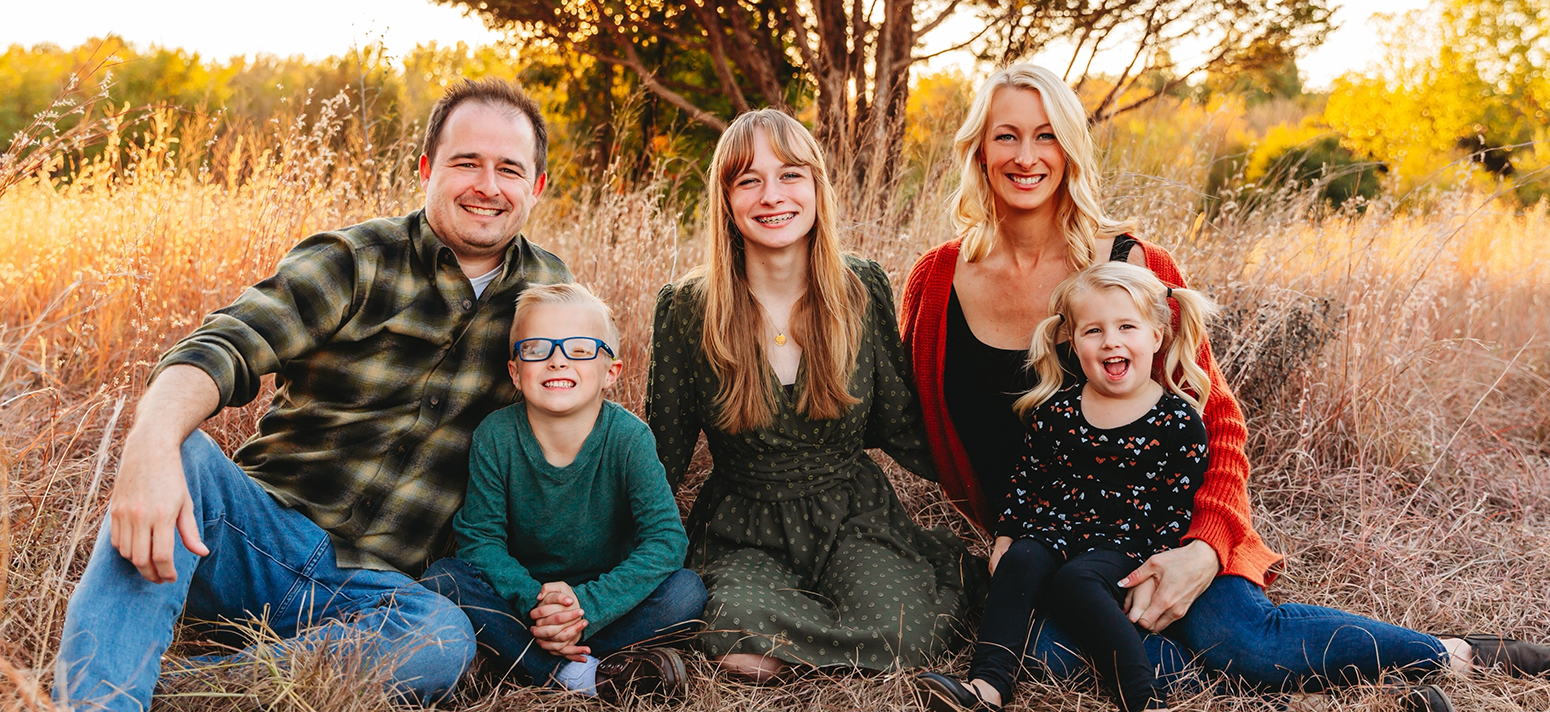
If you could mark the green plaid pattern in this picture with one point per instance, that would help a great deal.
(384, 364)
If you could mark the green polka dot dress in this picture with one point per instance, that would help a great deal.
(801, 541)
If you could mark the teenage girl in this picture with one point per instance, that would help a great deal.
(1108, 480)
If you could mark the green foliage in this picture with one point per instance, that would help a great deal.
(593, 132)
(1275, 77)
(1310, 154)
(245, 90)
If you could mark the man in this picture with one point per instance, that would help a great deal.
(388, 344)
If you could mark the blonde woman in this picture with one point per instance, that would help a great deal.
(785, 353)
(1029, 215)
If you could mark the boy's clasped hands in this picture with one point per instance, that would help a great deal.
(558, 622)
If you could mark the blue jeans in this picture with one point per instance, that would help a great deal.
(1237, 632)
(674, 608)
(266, 563)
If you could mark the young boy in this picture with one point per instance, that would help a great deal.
(569, 541)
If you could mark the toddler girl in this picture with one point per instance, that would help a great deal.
(1113, 461)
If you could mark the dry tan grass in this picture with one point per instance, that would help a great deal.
(1398, 361)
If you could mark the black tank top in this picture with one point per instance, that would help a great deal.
(979, 384)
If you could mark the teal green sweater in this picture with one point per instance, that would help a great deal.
(606, 524)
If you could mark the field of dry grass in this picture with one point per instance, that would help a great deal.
(1395, 363)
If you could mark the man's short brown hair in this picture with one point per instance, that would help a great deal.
(496, 93)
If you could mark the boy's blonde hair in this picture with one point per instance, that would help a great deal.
(1079, 198)
(1151, 296)
(573, 295)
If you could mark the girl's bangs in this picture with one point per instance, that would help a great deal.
(785, 140)
(735, 152)
(792, 150)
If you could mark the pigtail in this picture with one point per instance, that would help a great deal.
(1045, 361)
(1195, 310)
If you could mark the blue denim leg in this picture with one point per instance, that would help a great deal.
(1236, 630)
(677, 606)
(673, 608)
(266, 562)
(496, 625)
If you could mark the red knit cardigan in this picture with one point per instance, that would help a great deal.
(1221, 514)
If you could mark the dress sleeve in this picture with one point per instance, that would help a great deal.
(671, 394)
(914, 287)
(894, 423)
(285, 316)
(480, 525)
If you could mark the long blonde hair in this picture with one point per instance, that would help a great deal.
(1080, 208)
(826, 321)
(1151, 296)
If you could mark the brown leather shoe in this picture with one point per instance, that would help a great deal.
(656, 671)
(1416, 697)
(1514, 657)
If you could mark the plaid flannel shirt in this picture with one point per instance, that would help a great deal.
(385, 361)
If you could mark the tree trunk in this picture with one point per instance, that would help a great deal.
(832, 129)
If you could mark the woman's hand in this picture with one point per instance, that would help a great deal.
(1163, 588)
(1002, 544)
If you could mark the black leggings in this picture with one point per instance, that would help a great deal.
(1084, 598)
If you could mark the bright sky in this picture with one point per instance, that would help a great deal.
(319, 28)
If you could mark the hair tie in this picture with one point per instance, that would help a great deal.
(1170, 293)
(1062, 316)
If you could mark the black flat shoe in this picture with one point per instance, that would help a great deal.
(939, 693)
(1514, 657)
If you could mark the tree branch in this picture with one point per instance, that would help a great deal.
(929, 26)
(649, 79)
(1164, 89)
(1141, 47)
(1076, 52)
(954, 48)
(754, 57)
(798, 27)
(710, 21)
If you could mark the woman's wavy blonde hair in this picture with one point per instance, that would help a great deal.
(1080, 211)
(1180, 351)
(827, 321)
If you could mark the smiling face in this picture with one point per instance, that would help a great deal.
(483, 181)
(558, 387)
(1114, 342)
(773, 203)
(1024, 164)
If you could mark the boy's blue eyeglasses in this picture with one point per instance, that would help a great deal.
(575, 348)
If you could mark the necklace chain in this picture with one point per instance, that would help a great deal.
(780, 334)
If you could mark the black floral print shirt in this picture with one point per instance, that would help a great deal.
(1128, 489)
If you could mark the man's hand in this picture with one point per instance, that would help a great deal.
(1002, 544)
(150, 505)
(1163, 588)
(558, 622)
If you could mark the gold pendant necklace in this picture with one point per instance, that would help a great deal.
(780, 336)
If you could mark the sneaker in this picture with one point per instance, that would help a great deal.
(656, 671)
